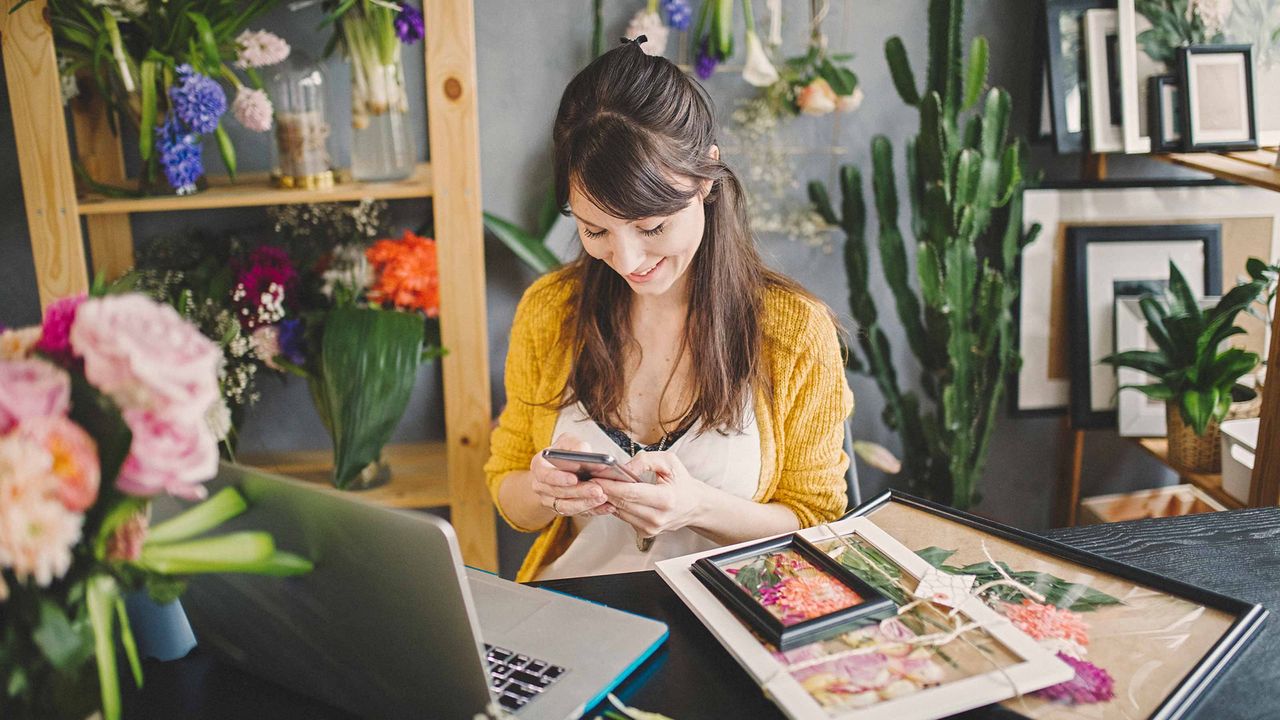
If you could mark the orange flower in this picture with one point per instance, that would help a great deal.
(408, 275)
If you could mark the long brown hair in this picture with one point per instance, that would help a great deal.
(626, 124)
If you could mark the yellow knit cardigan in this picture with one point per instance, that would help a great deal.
(801, 427)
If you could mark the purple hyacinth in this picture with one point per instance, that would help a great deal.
(706, 63)
(678, 13)
(180, 155)
(198, 100)
(292, 344)
(409, 25)
(1091, 684)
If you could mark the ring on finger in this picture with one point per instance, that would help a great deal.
(554, 508)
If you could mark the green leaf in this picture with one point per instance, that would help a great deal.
(126, 640)
(1256, 267)
(226, 150)
(548, 213)
(223, 553)
(1183, 301)
(208, 43)
(529, 249)
(976, 78)
(224, 505)
(935, 556)
(822, 202)
(1198, 407)
(147, 123)
(1153, 363)
(1155, 391)
(65, 644)
(365, 373)
(100, 597)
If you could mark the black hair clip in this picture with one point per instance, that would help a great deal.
(635, 41)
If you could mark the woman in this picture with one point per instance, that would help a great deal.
(667, 343)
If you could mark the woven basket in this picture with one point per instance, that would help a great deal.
(1188, 451)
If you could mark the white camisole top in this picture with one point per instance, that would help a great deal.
(604, 544)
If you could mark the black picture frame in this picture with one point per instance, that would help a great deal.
(1166, 136)
(1079, 238)
(708, 569)
(1193, 140)
(1014, 408)
(1249, 617)
(1068, 71)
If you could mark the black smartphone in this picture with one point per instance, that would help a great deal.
(587, 465)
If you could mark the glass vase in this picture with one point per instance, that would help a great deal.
(382, 145)
(300, 152)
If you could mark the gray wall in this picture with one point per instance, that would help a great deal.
(527, 52)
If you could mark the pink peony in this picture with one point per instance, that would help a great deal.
(167, 456)
(74, 455)
(146, 356)
(126, 540)
(252, 108)
(36, 531)
(56, 331)
(31, 389)
(816, 98)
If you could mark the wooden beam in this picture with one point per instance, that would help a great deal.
(44, 158)
(454, 136)
(110, 236)
(1265, 488)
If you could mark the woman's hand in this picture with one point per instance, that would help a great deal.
(674, 500)
(561, 491)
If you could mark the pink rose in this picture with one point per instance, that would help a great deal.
(55, 334)
(75, 458)
(167, 456)
(851, 102)
(816, 98)
(146, 356)
(31, 389)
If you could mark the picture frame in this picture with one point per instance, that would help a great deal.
(1101, 45)
(1166, 114)
(1217, 104)
(719, 574)
(1214, 628)
(1250, 218)
(1150, 33)
(1068, 71)
(1103, 255)
(989, 661)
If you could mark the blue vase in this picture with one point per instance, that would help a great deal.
(161, 631)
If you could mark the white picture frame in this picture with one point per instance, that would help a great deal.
(1105, 136)
(1036, 390)
(1039, 667)
(1252, 23)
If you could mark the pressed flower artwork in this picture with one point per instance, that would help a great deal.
(791, 588)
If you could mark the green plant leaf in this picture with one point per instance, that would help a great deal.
(822, 202)
(65, 644)
(976, 78)
(935, 556)
(127, 641)
(100, 598)
(147, 123)
(226, 150)
(529, 249)
(224, 505)
(1153, 363)
(1182, 300)
(1155, 391)
(1198, 407)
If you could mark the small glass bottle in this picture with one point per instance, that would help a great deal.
(301, 153)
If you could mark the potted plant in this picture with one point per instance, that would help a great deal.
(1196, 376)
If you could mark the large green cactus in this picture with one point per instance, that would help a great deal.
(966, 215)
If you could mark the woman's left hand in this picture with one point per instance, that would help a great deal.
(674, 500)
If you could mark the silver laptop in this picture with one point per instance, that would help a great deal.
(389, 624)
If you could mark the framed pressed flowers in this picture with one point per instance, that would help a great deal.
(1141, 645)
(789, 591)
(935, 652)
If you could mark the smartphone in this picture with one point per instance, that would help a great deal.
(587, 465)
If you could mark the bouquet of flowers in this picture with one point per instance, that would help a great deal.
(376, 325)
(101, 409)
(161, 66)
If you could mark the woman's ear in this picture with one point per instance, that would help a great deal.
(704, 188)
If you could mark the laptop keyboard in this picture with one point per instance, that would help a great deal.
(516, 679)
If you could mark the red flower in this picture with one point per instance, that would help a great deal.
(408, 275)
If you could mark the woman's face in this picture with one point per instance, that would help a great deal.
(652, 254)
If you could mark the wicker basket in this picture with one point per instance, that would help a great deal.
(1188, 451)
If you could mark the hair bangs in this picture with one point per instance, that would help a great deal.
(619, 168)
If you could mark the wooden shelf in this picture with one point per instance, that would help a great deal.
(419, 475)
(255, 189)
(1251, 167)
(1210, 483)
